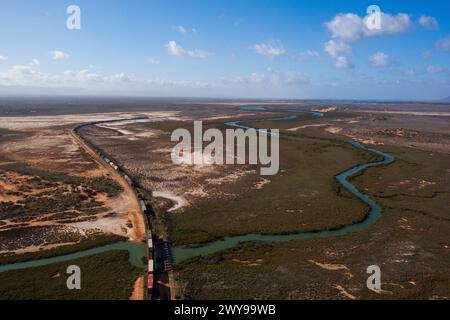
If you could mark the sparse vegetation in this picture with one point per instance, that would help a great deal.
(103, 276)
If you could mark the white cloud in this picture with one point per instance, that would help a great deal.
(411, 72)
(379, 60)
(434, 69)
(58, 55)
(89, 81)
(390, 25)
(309, 53)
(350, 27)
(269, 50)
(18, 75)
(347, 27)
(153, 61)
(429, 23)
(175, 49)
(181, 29)
(270, 78)
(341, 62)
(35, 62)
(444, 44)
(426, 54)
(3, 58)
(26, 76)
(336, 48)
(185, 30)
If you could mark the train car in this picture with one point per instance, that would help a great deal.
(143, 206)
(150, 243)
(150, 266)
(106, 159)
(129, 181)
(149, 234)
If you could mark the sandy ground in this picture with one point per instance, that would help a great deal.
(115, 225)
(261, 183)
(180, 201)
(131, 133)
(138, 289)
(113, 221)
(412, 113)
(308, 126)
(333, 130)
(35, 122)
(325, 110)
(344, 292)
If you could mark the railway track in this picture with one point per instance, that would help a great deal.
(141, 229)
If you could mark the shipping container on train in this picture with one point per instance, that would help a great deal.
(129, 181)
(150, 265)
(143, 206)
(150, 243)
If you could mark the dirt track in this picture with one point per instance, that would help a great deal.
(138, 289)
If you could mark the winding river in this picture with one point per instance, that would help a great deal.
(138, 250)
(183, 253)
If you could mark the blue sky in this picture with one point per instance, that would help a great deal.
(210, 48)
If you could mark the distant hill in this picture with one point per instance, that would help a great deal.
(446, 99)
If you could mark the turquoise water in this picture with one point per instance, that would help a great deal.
(136, 252)
(183, 253)
(253, 108)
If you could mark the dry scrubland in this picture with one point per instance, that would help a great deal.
(53, 197)
(409, 242)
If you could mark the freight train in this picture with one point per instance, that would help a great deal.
(150, 275)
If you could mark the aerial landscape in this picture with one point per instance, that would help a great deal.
(254, 169)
